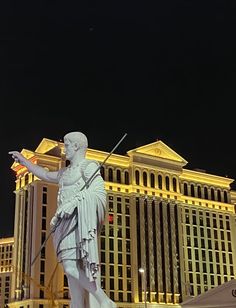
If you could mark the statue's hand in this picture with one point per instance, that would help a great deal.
(67, 209)
(53, 222)
(18, 157)
(65, 213)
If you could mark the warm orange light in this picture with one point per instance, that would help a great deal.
(110, 218)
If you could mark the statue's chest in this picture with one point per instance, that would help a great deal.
(70, 176)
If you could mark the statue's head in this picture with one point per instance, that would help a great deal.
(75, 142)
(77, 137)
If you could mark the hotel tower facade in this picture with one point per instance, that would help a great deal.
(170, 232)
(6, 261)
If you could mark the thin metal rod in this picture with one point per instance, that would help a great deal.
(43, 245)
(85, 185)
(99, 167)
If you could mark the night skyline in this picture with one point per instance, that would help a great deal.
(206, 160)
(154, 71)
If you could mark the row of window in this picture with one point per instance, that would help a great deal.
(209, 268)
(6, 256)
(205, 193)
(121, 284)
(110, 270)
(211, 223)
(123, 178)
(209, 244)
(202, 254)
(4, 248)
(4, 269)
(121, 257)
(6, 262)
(118, 232)
(208, 232)
(196, 289)
(164, 182)
(121, 245)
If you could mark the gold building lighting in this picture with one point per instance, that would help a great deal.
(6, 268)
(176, 224)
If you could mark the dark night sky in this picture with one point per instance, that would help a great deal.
(152, 69)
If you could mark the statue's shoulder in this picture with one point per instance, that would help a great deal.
(88, 162)
(88, 167)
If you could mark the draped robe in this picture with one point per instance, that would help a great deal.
(76, 237)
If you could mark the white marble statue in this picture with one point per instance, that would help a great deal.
(76, 224)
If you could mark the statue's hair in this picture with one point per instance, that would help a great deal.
(78, 137)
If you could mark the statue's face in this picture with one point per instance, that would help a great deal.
(69, 149)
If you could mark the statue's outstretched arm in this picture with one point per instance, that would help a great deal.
(39, 171)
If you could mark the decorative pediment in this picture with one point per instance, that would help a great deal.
(46, 145)
(158, 149)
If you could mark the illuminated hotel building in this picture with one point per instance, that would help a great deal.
(6, 256)
(178, 225)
